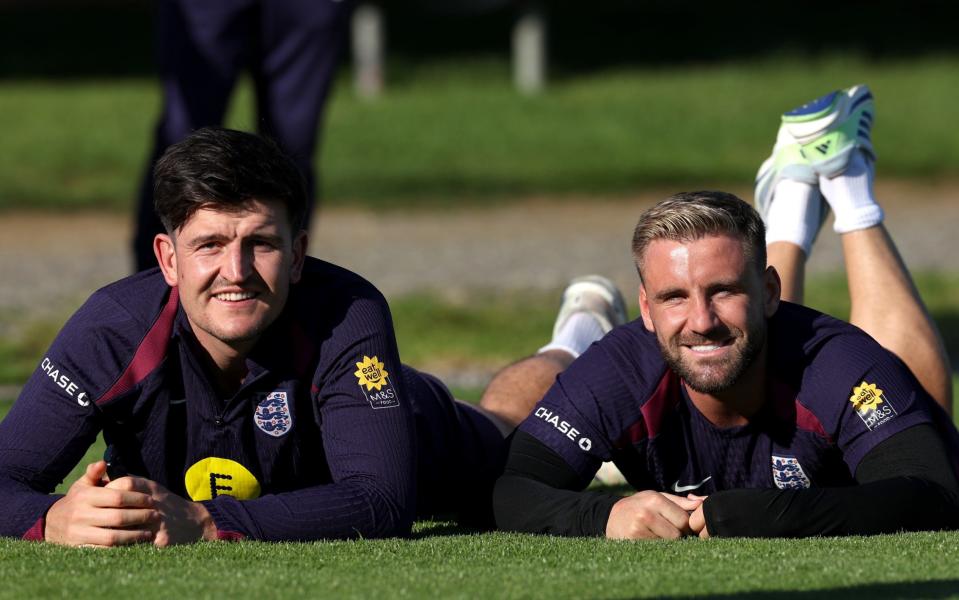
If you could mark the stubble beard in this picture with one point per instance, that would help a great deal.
(720, 375)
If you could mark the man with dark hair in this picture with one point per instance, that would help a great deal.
(732, 412)
(245, 389)
(217, 166)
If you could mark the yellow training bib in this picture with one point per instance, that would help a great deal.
(212, 477)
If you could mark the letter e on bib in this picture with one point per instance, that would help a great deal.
(214, 476)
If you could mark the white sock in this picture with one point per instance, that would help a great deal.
(795, 214)
(577, 333)
(850, 196)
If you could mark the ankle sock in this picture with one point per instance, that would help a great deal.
(795, 214)
(579, 331)
(850, 195)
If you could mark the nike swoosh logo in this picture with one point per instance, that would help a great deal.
(182, 400)
(686, 488)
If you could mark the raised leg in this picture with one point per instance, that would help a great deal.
(830, 136)
(515, 390)
(591, 306)
(887, 306)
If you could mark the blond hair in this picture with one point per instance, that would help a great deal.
(689, 216)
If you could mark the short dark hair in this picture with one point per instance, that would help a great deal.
(225, 169)
(689, 216)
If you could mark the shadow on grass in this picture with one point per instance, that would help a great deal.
(945, 588)
(445, 529)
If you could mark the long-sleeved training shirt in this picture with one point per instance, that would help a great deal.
(328, 437)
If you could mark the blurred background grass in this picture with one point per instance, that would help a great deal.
(458, 133)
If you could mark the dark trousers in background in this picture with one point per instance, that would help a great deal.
(291, 48)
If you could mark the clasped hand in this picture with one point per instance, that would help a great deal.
(657, 515)
(129, 510)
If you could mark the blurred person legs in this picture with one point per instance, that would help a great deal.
(291, 48)
(884, 300)
(591, 306)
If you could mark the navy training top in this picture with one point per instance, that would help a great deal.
(319, 442)
(834, 394)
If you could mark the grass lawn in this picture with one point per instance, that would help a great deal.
(457, 132)
(438, 564)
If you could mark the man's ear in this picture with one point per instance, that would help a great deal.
(772, 291)
(165, 251)
(644, 309)
(300, 243)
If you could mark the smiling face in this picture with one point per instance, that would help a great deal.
(708, 305)
(233, 270)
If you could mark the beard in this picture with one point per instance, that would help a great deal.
(715, 375)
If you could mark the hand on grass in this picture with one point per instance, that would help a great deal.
(652, 515)
(93, 515)
(180, 521)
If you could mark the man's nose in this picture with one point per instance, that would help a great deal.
(238, 263)
(702, 315)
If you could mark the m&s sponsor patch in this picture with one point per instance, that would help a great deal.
(871, 405)
(373, 379)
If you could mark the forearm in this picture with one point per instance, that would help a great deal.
(540, 493)
(886, 506)
(526, 505)
(335, 511)
(24, 509)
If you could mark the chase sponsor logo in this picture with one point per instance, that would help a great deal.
(272, 414)
(373, 379)
(871, 405)
(571, 433)
(788, 473)
(64, 381)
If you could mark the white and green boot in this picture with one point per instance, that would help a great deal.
(828, 129)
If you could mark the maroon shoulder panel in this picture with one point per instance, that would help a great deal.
(807, 421)
(150, 353)
(665, 399)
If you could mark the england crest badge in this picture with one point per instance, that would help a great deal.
(272, 414)
(788, 473)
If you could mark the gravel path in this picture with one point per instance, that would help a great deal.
(49, 264)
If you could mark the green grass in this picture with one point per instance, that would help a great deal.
(457, 132)
(494, 565)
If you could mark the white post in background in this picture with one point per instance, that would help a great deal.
(529, 48)
(368, 49)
